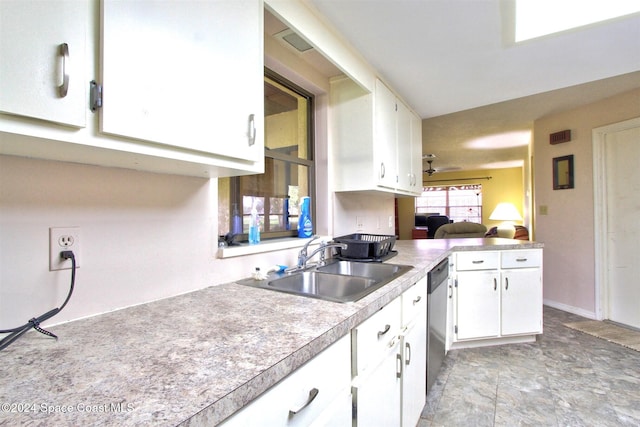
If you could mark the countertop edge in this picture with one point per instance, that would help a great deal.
(240, 397)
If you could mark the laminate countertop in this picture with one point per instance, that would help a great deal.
(193, 359)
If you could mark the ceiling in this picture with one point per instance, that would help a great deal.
(454, 63)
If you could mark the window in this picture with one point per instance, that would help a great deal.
(536, 18)
(289, 168)
(458, 202)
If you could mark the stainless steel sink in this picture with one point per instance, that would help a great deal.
(377, 271)
(341, 281)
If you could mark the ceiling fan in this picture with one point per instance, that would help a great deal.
(429, 158)
(430, 171)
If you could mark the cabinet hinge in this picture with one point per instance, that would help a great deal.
(95, 95)
(455, 329)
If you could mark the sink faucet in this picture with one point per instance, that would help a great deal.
(303, 257)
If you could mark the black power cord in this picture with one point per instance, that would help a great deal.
(34, 323)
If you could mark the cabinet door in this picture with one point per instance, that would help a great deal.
(378, 395)
(414, 375)
(416, 154)
(317, 390)
(385, 156)
(371, 338)
(33, 63)
(403, 148)
(187, 74)
(477, 304)
(521, 301)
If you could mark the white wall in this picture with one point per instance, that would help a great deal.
(144, 236)
(364, 213)
(567, 230)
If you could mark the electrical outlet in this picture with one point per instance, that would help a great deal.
(391, 223)
(359, 223)
(63, 239)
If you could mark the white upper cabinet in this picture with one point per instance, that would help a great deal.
(187, 74)
(409, 148)
(377, 140)
(182, 84)
(43, 56)
(385, 135)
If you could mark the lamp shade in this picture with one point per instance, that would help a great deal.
(505, 212)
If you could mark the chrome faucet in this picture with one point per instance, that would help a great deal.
(303, 256)
(323, 251)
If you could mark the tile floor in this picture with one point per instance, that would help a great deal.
(565, 378)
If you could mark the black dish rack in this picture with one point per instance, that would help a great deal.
(366, 247)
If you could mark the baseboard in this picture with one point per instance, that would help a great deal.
(570, 309)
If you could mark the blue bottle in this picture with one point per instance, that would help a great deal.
(254, 228)
(305, 227)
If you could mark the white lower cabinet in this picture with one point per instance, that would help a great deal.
(376, 376)
(389, 385)
(414, 352)
(377, 394)
(497, 295)
(318, 393)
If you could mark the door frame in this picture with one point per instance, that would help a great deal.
(601, 228)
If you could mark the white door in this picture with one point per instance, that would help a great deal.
(622, 154)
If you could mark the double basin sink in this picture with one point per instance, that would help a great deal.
(338, 281)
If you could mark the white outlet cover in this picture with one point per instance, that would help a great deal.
(63, 239)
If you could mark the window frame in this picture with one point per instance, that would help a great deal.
(447, 207)
(235, 196)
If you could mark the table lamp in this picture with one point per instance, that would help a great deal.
(507, 213)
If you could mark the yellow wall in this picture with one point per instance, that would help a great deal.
(505, 185)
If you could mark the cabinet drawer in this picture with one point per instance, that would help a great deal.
(477, 260)
(326, 377)
(372, 338)
(414, 300)
(522, 258)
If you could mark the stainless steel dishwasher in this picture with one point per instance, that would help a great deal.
(436, 319)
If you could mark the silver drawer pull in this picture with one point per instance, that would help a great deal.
(252, 129)
(408, 347)
(521, 259)
(417, 300)
(313, 393)
(386, 329)
(477, 261)
(64, 87)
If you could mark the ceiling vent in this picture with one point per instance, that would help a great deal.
(294, 40)
(560, 137)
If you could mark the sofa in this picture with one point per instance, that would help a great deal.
(457, 230)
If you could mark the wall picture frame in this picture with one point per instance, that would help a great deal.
(563, 172)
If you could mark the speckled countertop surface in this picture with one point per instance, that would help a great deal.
(193, 359)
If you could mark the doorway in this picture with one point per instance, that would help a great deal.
(617, 221)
